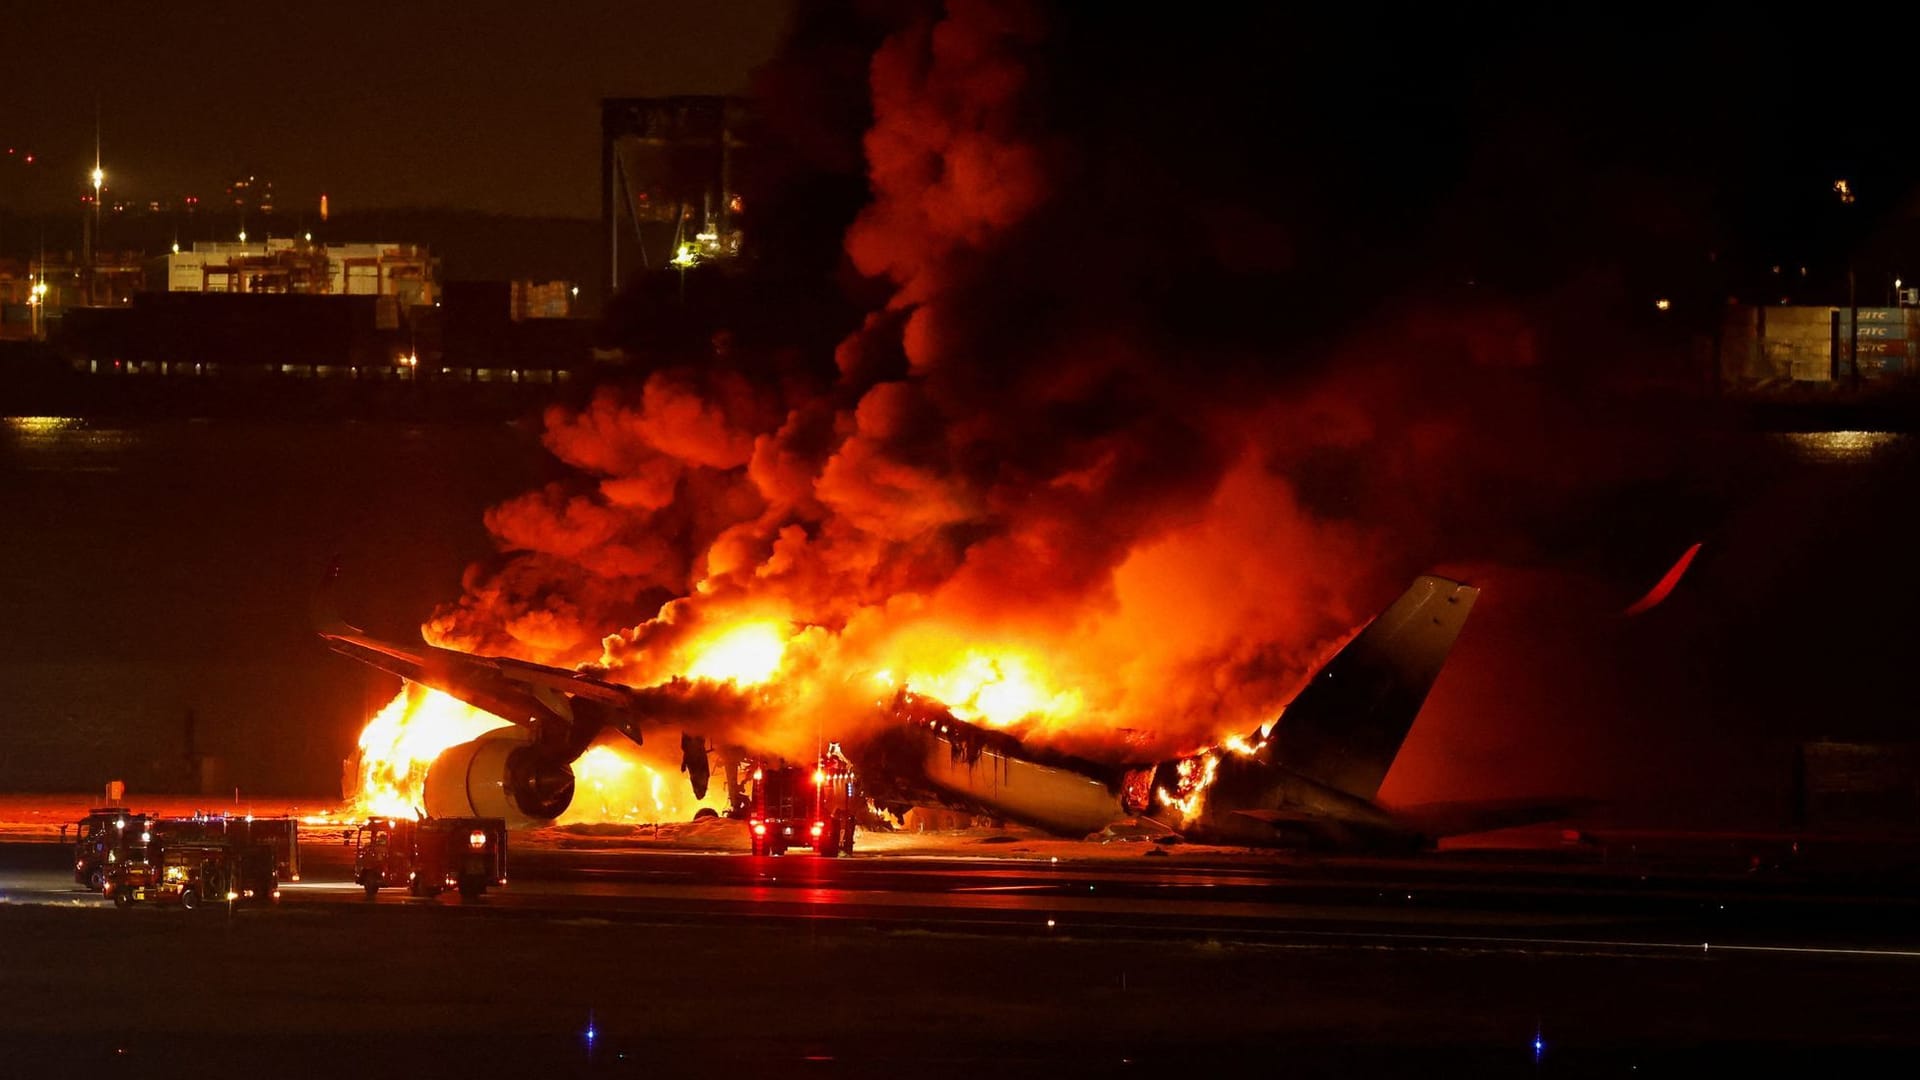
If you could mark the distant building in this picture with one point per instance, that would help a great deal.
(406, 272)
(668, 172)
(1770, 350)
(543, 300)
(249, 195)
(112, 278)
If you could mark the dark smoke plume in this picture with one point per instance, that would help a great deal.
(1137, 426)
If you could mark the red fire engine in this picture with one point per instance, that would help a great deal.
(106, 837)
(282, 834)
(196, 872)
(431, 855)
(793, 806)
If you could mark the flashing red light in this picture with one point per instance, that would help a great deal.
(757, 774)
(818, 827)
(476, 839)
(819, 777)
(759, 828)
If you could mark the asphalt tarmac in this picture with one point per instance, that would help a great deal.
(684, 964)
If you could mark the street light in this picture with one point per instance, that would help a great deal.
(37, 304)
(684, 259)
(99, 178)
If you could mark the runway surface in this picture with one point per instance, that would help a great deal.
(1418, 901)
(887, 965)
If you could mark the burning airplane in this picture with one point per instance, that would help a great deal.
(1309, 779)
(1053, 534)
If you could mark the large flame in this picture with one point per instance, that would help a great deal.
(614, 781)
(1012, 490)
(400, 742)
(747, 653)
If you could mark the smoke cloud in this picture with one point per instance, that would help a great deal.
(1100, 466)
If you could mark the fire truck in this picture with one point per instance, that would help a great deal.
(282, 834)
(431, 855)
(789, 805)
(106, 837)
(196, 872)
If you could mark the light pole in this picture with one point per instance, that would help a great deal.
(93, 249)
(37, 303)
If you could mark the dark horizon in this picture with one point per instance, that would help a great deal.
(486, 107)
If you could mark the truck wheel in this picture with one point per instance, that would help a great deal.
(122, 897)
(97, 879)
(373, 887)
(189, 899)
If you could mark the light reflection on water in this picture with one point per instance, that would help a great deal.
(64, 444)
(1842, 447)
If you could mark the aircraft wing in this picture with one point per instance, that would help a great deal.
(566, 706)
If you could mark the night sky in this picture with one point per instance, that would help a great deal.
(487, 105)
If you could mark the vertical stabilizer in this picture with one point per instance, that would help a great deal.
(1346, 725)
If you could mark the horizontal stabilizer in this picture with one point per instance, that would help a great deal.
(1281, 817)
(1460, 818)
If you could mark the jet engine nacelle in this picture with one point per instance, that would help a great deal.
(500, 774)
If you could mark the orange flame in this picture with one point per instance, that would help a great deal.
(400, 742)
(614, 781)
(746, 653)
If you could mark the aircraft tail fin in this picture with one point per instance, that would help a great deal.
(1345, 727)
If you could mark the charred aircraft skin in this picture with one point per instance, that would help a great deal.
(1255, 802)
(1308, 781)
(927, 756)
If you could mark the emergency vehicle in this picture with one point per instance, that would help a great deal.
(791, 806)
(282, 834)
(107, 836)
(431, 855)
(195, 872)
